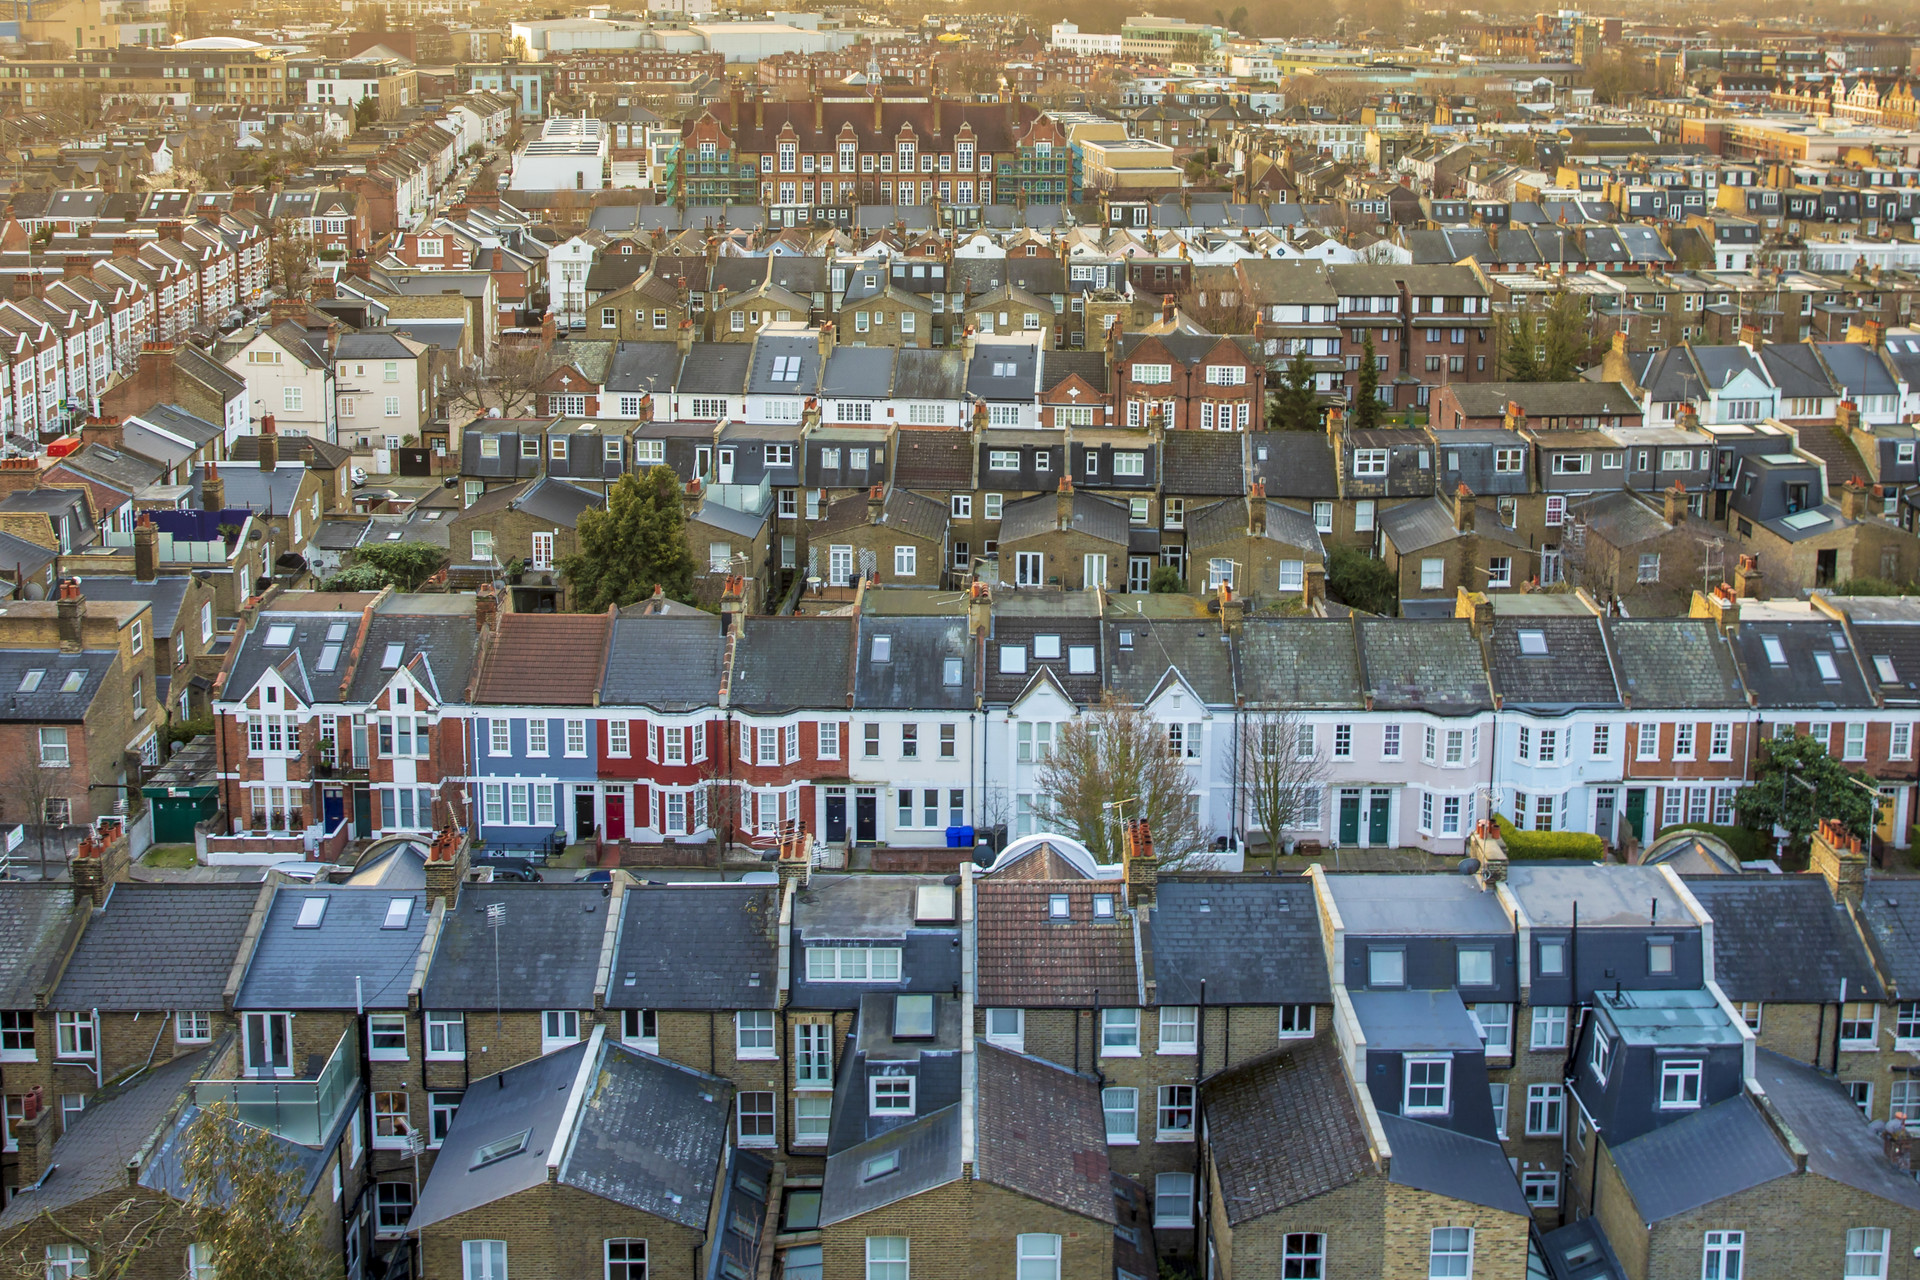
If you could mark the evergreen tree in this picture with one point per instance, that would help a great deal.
(1366, 397)
(1296, 405)
(637, 543)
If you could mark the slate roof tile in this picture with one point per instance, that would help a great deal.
(1784, 938)
(1254, 942)
(1284, 1129)
(695, 947)
(1042, 1132)
(159, 946)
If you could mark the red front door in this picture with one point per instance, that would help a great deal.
(616, 816)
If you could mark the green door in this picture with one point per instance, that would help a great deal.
(1637, 812)
(1377, 818)
(1350, 816)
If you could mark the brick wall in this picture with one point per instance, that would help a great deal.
(556, 1232)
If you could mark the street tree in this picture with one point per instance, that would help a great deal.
(1281, 782)
(1798, 784)
(289, 259)
(637, 543)
(1112, 764)
(1296, 402)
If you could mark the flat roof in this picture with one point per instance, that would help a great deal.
(1435, 905)
(1605, 895)
(1678, 1018)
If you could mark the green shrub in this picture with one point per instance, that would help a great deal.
(1570, 846)
(1166, 580)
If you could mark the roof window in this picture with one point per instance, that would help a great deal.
(31, 681)
(1126, 640)
(1013, 659)
(329, 658)
(311, 911)
(493, 1152)
(950, 672)
(933, 904)
(913, 1017)
(882, 648)
(279, 635)
(75, 678)
(1829, 670)
(1080, 660)
(880, 1166)
(1046, 647)
(399, 911)
(1776, 655)
(1103, 906)
(1884, 666)
(1058, 907)
(391, 659)
(1533, 643)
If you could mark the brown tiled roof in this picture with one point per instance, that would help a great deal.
(1029, 961)
(1042, 1133)
(545, 658)
(1284, 1129)
(1042, 862)
(933, 460)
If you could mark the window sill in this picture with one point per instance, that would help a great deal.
(756, 1143)
(1858, 1046)
(1134, 1053)
(25, 1055)
(387, 1056)
(389, 1144)
(1122, 1142)
(1173, 1137)
(1176, 1052)
(808, 1141)
(442, 1057)
(756, 1057)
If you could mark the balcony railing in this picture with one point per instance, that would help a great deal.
(298, 1110)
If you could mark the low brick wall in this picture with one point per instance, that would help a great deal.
(920, 861)
(668, 855)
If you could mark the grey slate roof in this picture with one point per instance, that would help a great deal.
(1041, 1132)
(93, 1156)
(270, 493)
(1253, 941)
(1021, 383)
(50, 703)
(1573, 671)
(1891, 911)
(549, 948)
(1155, 649)
(1451, 1164)
(1300, 663)
(1422, 666)
(929, 374)
(643, 366)
(1674, 662)
(668, 662)
(705, 946)
(929, 1151)
(792, 662)
(1784, 938)
(1015, 629)
(1839, 1144)
(350, 961)
(858, 373)
(648, 1135)
(440, 648)
(1284, 1129)
(912, 676)
(1094, 516)
(1713, 1153)
(1798, 681)
(1223, 522)
(769, 346)
(159, 946)
(34, 922)
(1204, 464)
(716, 369)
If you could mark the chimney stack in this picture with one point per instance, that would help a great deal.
(213, 490)
(1746, 578)
(448, 861)
(1853, 498)
(1142, 867)
(685, 337)
(71, 615)
(979, 609)
(733, 602)
(1834, 852)
(827, 339)
(1063, 504)
(1257, 509)
(103, 859)
(1674, 503)
(1516, 417)
(876, 504)
(486, 606)
(795, 866)
(146, 549)
(1463, 510)
(269, 444)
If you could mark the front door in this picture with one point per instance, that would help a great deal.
(616, 815)
(1028, 566)
(583, 813)
(866, 815)
(362, 812)
(1378, 806)
(1636, 812)
(836, 814)
(333, 807)
(1350, 816)
(1603, 816)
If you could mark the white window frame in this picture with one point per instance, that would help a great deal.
(1407, 1085)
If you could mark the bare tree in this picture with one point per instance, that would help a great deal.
(289, 259)
(513, 375)
(115, 1241)
(31, 786)
(1113, 763)
(1280, 782)
(245, 1192)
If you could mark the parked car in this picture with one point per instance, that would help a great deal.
(509, 864)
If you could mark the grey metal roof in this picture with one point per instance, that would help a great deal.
(1091, 515)
(792, 662)
(549, 948)
(1550, 663)
(35, 919)
(1443, 906)
(696, 946)
(1674, 662)
(859, 372)
(350, 961)
(929, 1156)
(1783, 938)
(158, 946)
(1254, 942)
(1416, 1021)
(1004, 371)
(1451, 1164)
(270, 493)
(1839, 1143)
(1203, 464)
(1712, 1154)
(913, 673)
(1419, 665)
(668, 662)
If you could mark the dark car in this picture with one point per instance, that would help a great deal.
(507, 866)
(598, 876)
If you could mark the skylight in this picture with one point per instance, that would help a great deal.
(1776, 655)
(1003, 368)
(1013, 659)
(279, 635)
(399, 910)
(880, 1166)
(74, 680)
(1103, 906)
(1080, 660)
(31, 681)
(1057, 907)
(1884, 665)
(1533, 643)
(786, 368)
(933, 904)
(882, 648)
(950, 672)
(493, 1152)
(329, 657)
(1828, 669)
(310, 912)
(913, 1017)
(336, 632)
(1046, 646)
(391, 659)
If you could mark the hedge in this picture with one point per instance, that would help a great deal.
(1571, 846)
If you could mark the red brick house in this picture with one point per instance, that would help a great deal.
(1195, 382)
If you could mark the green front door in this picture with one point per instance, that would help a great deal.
(1377, 807)
(1350, 816)
(1637, 812)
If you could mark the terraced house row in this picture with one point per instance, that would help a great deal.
(889, 722)
(1044, 1066)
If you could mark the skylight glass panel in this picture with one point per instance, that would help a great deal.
(950, 672)
(1080, 660)
(913, 1017)
(1533, 643)
(493, 1152)
(1776, 655)
(336, 632)
(279, 635)
(311, 911)
(391, 659)
(31, 681)
(882, 648)
(1013, 659)
(1046, 646)
(399, 910)
(1884, 666)
(75, 678)
(1828, 670)
(329, 657)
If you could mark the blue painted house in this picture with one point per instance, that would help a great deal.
(535, 744)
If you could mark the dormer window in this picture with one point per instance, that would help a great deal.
(1660, 955)
(1428, 1087)
(1602, 1059)
(890, 1096)
(1386, 967)
(913, 1017)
